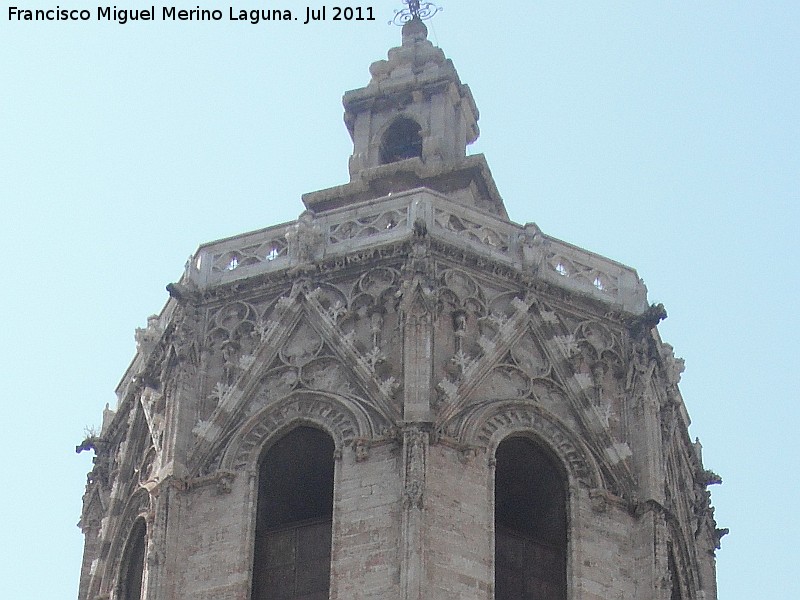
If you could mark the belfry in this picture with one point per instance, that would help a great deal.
(401, 395)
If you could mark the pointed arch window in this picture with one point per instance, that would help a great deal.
(132, 572)
(293, 522)
(403, 139)
(530, 523)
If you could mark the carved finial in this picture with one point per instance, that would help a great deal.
(415, 11)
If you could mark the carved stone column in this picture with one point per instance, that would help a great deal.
(91, 550)
(417, 308)
(179, 383)
(156, 542)
(647, 436)
(415, 450)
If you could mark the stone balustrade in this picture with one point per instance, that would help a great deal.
(391, 219)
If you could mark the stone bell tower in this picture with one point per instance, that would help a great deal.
(402, 394)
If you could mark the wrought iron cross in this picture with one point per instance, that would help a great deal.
(414, 10)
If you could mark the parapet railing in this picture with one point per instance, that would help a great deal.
(392, 218)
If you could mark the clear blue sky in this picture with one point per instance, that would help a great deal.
(661, 134)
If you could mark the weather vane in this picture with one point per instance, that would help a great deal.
(414, 10)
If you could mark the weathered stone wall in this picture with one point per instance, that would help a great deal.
(210, 542)
(602, 564)
(459, 514)
(366, 525)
